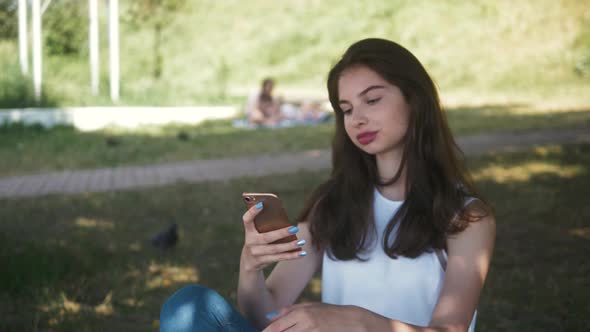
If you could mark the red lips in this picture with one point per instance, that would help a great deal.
(366, 137)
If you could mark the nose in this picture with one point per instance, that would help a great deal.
(358, 118)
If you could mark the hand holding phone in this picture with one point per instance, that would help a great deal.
(270, 237)
(272, 216)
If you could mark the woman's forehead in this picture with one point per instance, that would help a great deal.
(356, 79)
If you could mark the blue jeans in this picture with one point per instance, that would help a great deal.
(198, 308)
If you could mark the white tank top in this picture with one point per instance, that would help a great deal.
(404, 289)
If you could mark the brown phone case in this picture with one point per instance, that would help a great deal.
(272, 216)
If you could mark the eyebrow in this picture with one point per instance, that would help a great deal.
(364, 92)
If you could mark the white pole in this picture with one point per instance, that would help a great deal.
(93, 36)
(22, 36)
(44, 7)
(37, 51)
(114, 48)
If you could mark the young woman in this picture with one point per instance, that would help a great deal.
(402, 237)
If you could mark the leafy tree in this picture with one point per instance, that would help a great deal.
(65, 26)
(8, 19)
(156, 14)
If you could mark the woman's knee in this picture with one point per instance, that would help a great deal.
(190, 307)
(197, 295)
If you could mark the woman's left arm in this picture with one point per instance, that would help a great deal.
(469, 253)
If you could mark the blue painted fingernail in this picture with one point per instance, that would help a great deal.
(293, 229)
(259, 206)
(303, 253)
(301, 242)
(272, 315)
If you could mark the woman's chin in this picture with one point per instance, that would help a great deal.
(376, 150)
(370, 149)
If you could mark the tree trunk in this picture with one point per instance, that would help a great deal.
(158, 61)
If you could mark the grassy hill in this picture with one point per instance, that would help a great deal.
(216, 51)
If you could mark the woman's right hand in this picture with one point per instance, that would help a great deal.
(258, 252)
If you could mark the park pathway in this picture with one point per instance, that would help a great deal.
(143, 176)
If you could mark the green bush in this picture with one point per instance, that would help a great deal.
(17, 90)
(64, 26)
(8, 19)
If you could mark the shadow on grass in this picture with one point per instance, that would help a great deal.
(466, 120)
(106, 234)
(536, 282)
(82, 261)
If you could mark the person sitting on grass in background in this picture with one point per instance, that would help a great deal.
(264, 109)
(399, 232)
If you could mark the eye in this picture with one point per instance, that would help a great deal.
(347, 111)
(373, 101)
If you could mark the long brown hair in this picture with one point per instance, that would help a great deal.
(340, 209)
(263, 95)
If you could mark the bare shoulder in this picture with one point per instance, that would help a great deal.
(469, 257)
(474, 246)
(481, 227)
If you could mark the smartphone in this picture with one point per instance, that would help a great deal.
(272, 216)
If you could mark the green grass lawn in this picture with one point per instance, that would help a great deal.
(25, 150)
(81, 262)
